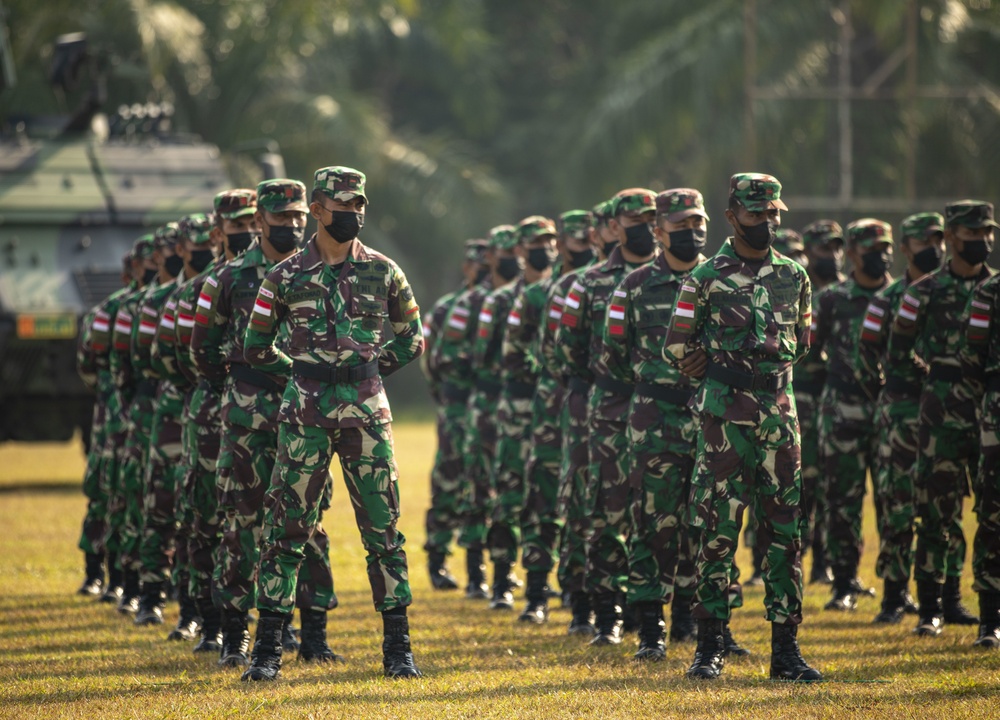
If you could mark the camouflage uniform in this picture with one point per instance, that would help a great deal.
(334, 402)
(847, 431)
(753, 324)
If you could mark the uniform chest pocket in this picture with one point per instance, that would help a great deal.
(306, 313)
(732, 313)
(367, 318)
(654, 315)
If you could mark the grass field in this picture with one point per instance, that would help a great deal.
(65, 656)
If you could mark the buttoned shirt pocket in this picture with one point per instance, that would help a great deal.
(368, 315)
(732, 313)
(306, 319)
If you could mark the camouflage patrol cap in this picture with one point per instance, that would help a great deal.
(632, 202)
(282, 195)
(340, 183)
(602, 212)
(680, 203)
(503, 237)
(822, 232)
(970, 213)
(867, 233)
(788, 242)
(232, 204)
(576, 223)
(921, 225)
(475, 250)
(197, 228)
(756, 192)
(166, 235)
(142, 249)
(534, 227)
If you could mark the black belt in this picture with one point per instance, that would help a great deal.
(899, 386)
(520, 390)
(578, 384)
(146, 386)
(335, 374)
(615, 387)
(490, 387)
(663, 393)
(255, 377)
(845, 387)
(750, 381)
(948, 373)
(453, 393)
(809, 387)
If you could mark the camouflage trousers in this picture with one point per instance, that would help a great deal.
(898, 420)
(541, 522)
(293, 510)
(444, 516)
(986, 544)
(480, 445)
(161, 494)
(111, 482)
(574, 496)
(947, 459)
(244, 472)
(133, 471)
(662, 437)
(848, 443)
(509, 491)
(200, 521)
(736, 466)
(95, 519)
(814, 507)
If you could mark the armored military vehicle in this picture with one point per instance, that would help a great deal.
(75, 192)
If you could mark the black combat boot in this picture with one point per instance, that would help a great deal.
(931, 616)
(893, 603)
(710, 654)
(211, 627)
(129, 602)
(989, 621)
(652, 638)
(397, 658)
(732, 648)
(441, 579)
(537, 595)
(503, 596)
(235, 650)
(845, 596)
(608, 619)
(786, 659)
(115, 589)
(477, 589)
(630, 615)
(313, 646)
(290, 636)
(682, 626)
(93, 581)
(820, 572)
(955, 613)
(583, 618)
(151, 604)
(265, 661)
(188, 621)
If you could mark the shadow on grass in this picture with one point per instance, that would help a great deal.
(41, 487)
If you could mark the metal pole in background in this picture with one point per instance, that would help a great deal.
(910, 124)
(846, 155)
(750, 84)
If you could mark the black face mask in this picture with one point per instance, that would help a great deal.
(285, 239)
(200, 259)
(686, 244)
(975, 251)
(875, 264)
(481, 275)
(639, 240)
(539, 258)
(579, 258)
(147, 277)
(928, 259)
(759, 237)
(173, 265)
(826, 268)
(609, 247)
(508, 268)
(238, 242)
(345, 225)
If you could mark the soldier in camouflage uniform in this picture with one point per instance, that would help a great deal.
(542, 524)
(444, 516)
(741, 320)
(847, 431)
(248, 415)
(519, 375)
(896, 411)
(981, 356)
(581, 332)
(333, 299)
(930, 327)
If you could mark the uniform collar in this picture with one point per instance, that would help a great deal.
(311, 257)
(727, 257)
